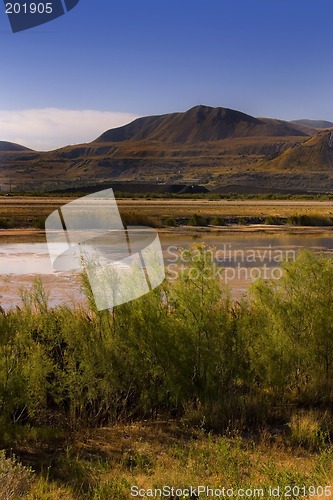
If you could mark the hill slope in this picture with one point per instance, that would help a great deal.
(11, 146)
(314, 123)
(208, 146)
(314, 154)
(199, 124)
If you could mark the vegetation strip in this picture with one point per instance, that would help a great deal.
(233, 375)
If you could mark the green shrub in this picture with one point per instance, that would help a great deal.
(217, 221)
(185, 349)
(271, 220)
(39, 223)
(309, 220)
(169, 221)
(135, 219)
(197, 220)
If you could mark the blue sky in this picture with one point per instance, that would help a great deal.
(119, 60)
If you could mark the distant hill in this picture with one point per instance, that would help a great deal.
(199, 124)
(313, 123)
(316, 154)
(11, 146)
(218, 148)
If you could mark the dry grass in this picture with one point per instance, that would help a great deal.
(226, 208)
(25, 211)
(15, 479)
(105, 463)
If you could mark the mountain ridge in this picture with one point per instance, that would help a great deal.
(314, 123)
(202, 146)
(12, 146)
(199, 124)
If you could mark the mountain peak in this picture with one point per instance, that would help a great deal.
(199, 124)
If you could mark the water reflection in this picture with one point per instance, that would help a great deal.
(21, 262)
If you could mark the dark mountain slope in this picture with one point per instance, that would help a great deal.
(199, 124)
(11, 146)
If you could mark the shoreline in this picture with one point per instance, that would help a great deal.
(195, 230)
(250, 228)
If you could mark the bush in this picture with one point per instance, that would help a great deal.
(169, 221)
(15, 479)
(185, 349)
(271, 220)
(217, 221)
(309, 220)
(7, 224)
(308, 429)
(133, 219)
(197, 220)
(38, 223)
(292, 320)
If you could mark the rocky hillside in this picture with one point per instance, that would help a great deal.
(212, 147)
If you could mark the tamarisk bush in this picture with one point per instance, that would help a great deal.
(184, 350)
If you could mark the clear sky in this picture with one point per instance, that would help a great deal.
(106, 62)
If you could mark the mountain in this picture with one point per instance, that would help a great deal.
(199, 124)
(316, 154)
(313, 123)
(11, 146)
(305, 166)
(218, 148)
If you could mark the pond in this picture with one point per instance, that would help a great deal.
(242, 257)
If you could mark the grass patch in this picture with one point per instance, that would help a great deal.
(310, 220)
(15, 479)
(105, 463)
(137, 219)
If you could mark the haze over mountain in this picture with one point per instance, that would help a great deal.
(214, 147)
(314, 123)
